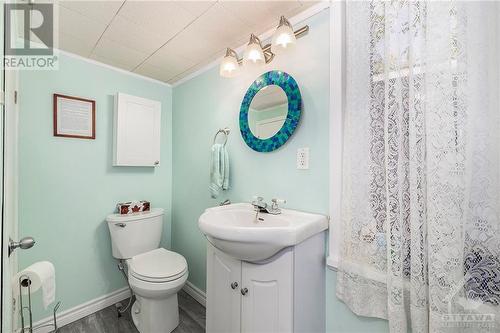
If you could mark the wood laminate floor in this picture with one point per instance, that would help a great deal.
(191, 317)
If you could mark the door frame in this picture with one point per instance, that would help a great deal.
(2, 133)
(9, 188)
(9, 183)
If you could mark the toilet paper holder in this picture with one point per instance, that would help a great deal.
(25, 282)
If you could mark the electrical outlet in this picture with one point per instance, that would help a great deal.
(303, 158)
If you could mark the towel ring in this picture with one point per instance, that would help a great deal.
(225, 131)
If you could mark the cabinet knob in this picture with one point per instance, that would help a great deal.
(157, 162)
(244, 291)
(234, 285)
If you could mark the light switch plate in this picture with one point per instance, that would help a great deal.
(303, 158)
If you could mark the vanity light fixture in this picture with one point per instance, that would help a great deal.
(229, 66)
(255, 54)
(284, 37)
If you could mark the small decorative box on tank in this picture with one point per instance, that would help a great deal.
(133, 207)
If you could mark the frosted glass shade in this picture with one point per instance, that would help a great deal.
(253, 55)
(229, 66)
(283, 39)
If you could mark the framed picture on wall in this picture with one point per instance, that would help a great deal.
(74, 117)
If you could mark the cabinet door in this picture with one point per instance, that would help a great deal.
(223, 292)
(267, 306)
(137, 123)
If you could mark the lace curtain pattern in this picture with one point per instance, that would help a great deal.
(421, 167)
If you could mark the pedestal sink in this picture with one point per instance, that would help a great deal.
(240, 232)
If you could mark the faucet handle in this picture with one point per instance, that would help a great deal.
(258, 198)
(259, 203)
(275, 209)
(278, 201)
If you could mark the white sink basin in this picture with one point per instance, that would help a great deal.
(233, 229)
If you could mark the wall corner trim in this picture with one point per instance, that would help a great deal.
(332, 263)
(196, 293)
(337, 106)
(80, 311)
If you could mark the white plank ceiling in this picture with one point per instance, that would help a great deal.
(165, 40)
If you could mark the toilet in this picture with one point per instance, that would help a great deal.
(155, 274)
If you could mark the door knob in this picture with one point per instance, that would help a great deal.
(24, 244)
(244, 291)
(234, 285)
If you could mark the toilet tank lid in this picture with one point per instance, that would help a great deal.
(134, 216)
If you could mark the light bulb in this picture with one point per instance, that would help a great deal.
(229, 66)
(284, 37)
(253, 55)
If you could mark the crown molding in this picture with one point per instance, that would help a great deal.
(116, 69)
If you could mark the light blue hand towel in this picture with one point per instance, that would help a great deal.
(219, 170)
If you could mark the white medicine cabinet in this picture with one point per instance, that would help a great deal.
(136, 131)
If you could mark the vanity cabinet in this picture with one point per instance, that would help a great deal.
(223, 292)
(285, 293)
(268, 304)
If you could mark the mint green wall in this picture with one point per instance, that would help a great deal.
(68, 186)
(208, 102)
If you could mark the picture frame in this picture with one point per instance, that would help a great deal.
(74, 117)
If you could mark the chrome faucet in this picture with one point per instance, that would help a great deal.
(261, 206)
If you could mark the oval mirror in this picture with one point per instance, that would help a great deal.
(267, 112)
(270, 111)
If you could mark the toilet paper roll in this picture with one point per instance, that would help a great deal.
(42, 275)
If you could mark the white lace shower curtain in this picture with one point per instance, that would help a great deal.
(421, 167)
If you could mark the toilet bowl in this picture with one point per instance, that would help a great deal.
(155, 278)
(155, 274)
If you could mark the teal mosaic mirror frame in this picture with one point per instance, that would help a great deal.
(291, 89)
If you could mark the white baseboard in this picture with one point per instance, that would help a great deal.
(196, 293)
(83, 310)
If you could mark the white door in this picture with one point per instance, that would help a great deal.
(267, 306)
(223, 292)
(9, 197)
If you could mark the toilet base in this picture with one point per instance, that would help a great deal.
(155, 315)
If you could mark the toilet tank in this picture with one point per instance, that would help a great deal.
(136, 233)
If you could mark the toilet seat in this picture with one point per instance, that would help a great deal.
(157, 266)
